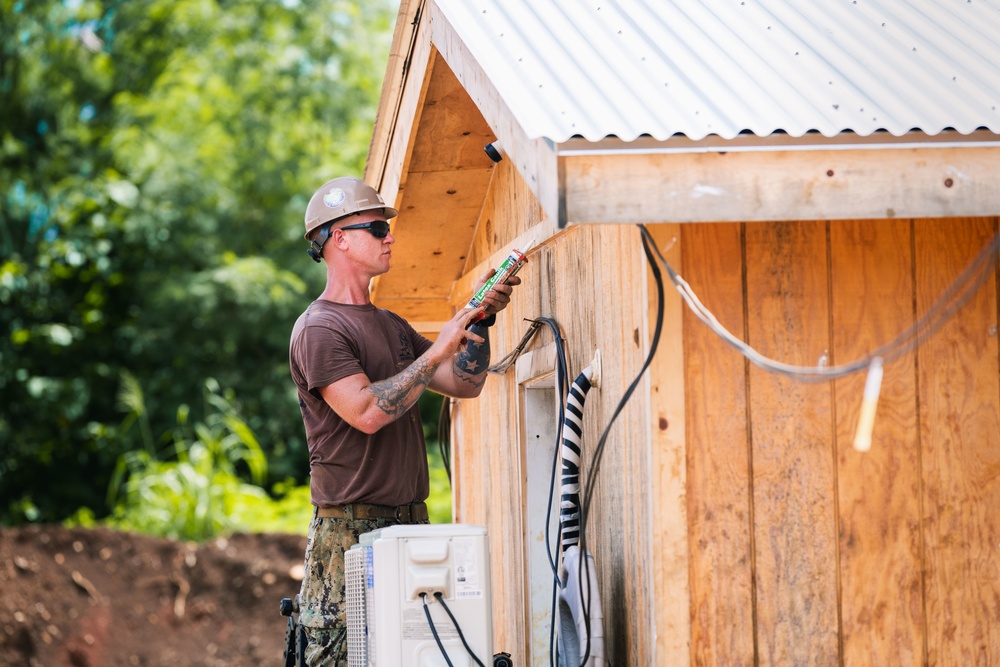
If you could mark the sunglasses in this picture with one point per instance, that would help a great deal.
(377, 228)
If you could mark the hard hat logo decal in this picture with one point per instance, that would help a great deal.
(334, 198)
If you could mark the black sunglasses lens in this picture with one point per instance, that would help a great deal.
(379, 228)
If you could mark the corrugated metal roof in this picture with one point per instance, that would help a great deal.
(627, 68)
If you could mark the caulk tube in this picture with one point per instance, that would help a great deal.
(507, 269)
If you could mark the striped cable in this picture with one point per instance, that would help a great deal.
(569, 505)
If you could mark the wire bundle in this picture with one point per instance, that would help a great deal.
(956, 296)
(430, 622)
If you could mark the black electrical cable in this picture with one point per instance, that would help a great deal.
(444, 435)
(561, 375)
(440, 598)
(427, 613)
(583, 571)
(561, 385)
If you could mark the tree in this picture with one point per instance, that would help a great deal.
(155, 160)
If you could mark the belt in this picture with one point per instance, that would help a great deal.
(403, 513)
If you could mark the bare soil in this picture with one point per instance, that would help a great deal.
(96, 598)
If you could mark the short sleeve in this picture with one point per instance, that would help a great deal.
(327, 355)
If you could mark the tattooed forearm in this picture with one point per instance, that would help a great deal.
(395, 395)
(472, 363)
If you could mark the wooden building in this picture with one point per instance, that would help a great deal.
(820, 174)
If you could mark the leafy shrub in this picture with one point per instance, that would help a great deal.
(207, 480)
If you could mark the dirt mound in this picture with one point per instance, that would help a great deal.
(96, 598)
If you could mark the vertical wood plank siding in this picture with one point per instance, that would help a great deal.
(799, 550)
(668, 462)
(958, 391)
(720, 502)
(791, 441)
(879, 491)
(886, 557)
(558, 283)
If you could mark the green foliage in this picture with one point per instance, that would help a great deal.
(204, 484)
(155, 160)
(439, 501)
(206, 481)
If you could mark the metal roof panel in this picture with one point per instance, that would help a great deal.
(660, 68)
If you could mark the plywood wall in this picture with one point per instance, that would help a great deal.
(804, 551)
(559, 283)
(734, 524)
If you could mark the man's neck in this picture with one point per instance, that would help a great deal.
(350, 291)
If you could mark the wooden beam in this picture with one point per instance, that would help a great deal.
(783, 185)
(396, 124)
(393, 85)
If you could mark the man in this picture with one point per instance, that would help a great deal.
(359, 372)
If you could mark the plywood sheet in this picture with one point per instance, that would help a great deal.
(435, 226)
(959, 386)
(417, 310)
(720, 503)
(792, 448)
(879, 490)
(452, 131)
(442, 186)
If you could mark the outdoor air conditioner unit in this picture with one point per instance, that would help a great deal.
(387, 571)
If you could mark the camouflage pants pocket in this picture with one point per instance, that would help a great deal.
(326, 648)
(322, 611)
(321, 599)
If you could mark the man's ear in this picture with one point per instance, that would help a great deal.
(339, 238)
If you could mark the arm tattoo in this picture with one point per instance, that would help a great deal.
(395, 395)
(472, 363)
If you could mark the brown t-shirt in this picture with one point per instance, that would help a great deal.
(332, 341)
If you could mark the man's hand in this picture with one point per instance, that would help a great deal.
(497, 298)
(453, 336)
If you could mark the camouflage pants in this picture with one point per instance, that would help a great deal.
(323, 613)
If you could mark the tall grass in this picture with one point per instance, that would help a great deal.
(205, 482)
(206, 479)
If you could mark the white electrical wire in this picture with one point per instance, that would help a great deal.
(956, 296)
